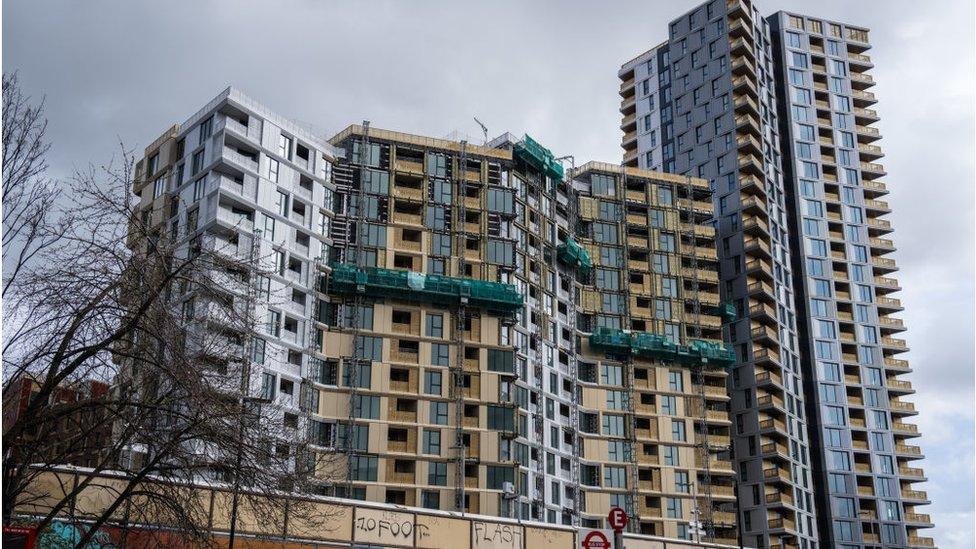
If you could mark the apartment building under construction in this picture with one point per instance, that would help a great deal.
(482, 328)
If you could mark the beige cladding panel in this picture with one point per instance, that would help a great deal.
(594, 398)
(489, 446)
(333, 403)
(337, 344)
(378, 436)
(434, 532)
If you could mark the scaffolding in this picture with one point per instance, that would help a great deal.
(701, 438)
(353, 364)
(460, 318)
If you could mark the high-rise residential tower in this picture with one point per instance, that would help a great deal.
(463, 327)
(862, 453)
(703, 104)
(772, 113)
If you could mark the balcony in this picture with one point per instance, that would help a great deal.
(863, 98)
(241, 160)
(873, 189)
(914, 495)
(884, 265)
(757, 247)
(889, 304)
(904, 428)
(895, 344)
(868, 133)
(861, 81)
(740, 27)
(918, 518)
(627, 87)
(746, 104)
(859, 59)
(921, 542)
(911, 472)
(899, 406)
(878, 226)
(753, 205)
(904, 387)
(873, 169)
(627, 106)
(896, 364)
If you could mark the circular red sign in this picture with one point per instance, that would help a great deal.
(617, 518)
(596, 540)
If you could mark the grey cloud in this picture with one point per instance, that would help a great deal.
(127, 70)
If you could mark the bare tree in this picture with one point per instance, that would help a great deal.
(104, 293)
(30, 221)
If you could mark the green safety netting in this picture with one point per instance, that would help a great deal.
(571, 253)
(494, 297)
(532, 153)
(656, 346)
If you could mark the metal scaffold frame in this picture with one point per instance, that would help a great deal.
(701, 439)
(460, 316)
(351, 365)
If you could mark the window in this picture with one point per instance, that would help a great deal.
(607, 279)
(273, 323)
(159, 187)
(258, 347)
(273, 168)
(798, 59)
(435, 325)
(363, 467)
(501, 361)
(439, 354)
(678, 430)
(498, 475)
(806, 132)
(603, 185)
(437, 474)
(438, 413)
(206, 129)
(673, 507)
(430, 499)
(284, 146)
(501, 418)
(613, 425)
(614, 477)
(501, 252)
(681, 483)
(669, 405)
(432, 382)
(611, 375)
(675, 381)
(669, 287)
(671, 455)
(153, 166)
(432, 442)
(605, 233)
(666, 242)
(793, 39)
(440, 244)
(197, 162)
(268, 386)
(661, 264)
(665, 196)
(366, 406)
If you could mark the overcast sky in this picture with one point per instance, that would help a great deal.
(128, 70)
